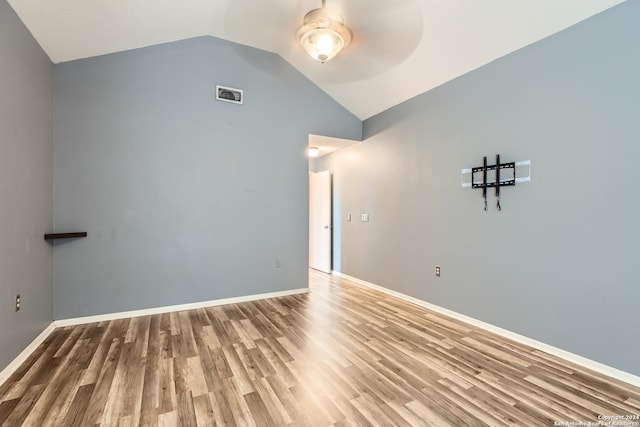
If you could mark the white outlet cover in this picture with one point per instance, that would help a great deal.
(365, 217)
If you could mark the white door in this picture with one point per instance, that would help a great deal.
(320, 221)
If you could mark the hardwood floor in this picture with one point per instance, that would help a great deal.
(341, 355)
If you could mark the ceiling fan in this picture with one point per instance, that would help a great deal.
(356, 39)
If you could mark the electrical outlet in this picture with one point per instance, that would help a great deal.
(437, 271)
(364, 217)
(18, 302)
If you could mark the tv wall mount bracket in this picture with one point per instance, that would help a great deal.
(495, 176)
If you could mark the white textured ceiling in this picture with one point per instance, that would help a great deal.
(401, 48)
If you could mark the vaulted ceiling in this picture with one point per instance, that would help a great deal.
(401, 48)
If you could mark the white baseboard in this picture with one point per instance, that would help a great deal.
(172, 308)
(563, 354)
(24, 355)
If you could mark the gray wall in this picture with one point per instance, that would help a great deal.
(185, 198)
(560, 262)
(26, 189)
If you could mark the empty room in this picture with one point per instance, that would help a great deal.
(319, 213)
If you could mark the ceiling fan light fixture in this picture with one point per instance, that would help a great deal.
(323, 34)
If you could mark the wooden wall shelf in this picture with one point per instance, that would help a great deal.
(54, 236)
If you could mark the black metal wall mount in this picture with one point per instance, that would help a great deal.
(496, 183)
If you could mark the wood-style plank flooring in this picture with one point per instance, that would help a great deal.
(341, 355)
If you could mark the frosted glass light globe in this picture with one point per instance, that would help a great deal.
(323, 34)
